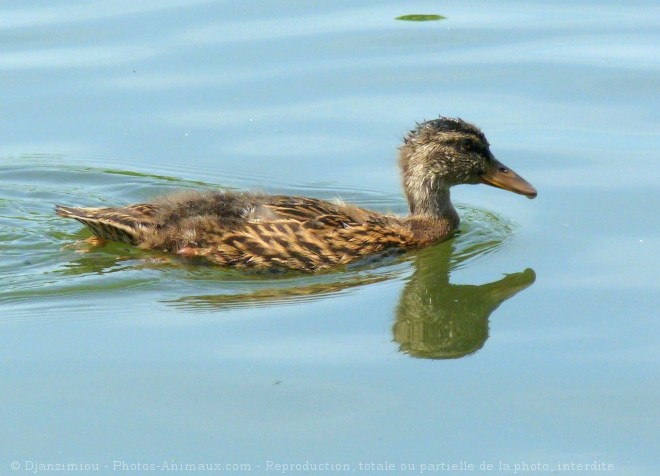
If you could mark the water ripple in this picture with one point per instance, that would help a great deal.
(45, 258)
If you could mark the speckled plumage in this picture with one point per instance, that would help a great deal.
(276, 231)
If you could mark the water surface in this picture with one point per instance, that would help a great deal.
(530, 338)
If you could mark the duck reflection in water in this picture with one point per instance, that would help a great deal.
(439, 320)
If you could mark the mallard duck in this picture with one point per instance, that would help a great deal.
(308, 234)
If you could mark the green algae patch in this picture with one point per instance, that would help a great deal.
(418, 17)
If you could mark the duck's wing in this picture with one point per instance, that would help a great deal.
(304, 209)
(126, 224)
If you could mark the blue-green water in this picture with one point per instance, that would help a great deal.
(530, 340)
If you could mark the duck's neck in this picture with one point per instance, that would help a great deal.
(432, 215)
(434, 203)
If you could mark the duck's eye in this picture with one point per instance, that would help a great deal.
(504, 170)
(467, 145)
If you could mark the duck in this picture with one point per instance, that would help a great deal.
(281, 232)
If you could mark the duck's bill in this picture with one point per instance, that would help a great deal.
(500, 176)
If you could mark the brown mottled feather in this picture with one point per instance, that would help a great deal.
(249, 230)
(124, 224)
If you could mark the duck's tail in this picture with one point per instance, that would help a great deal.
(107, 223)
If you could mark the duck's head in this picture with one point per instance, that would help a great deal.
(444, 152)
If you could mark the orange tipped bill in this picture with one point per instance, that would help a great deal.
(500, 176)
